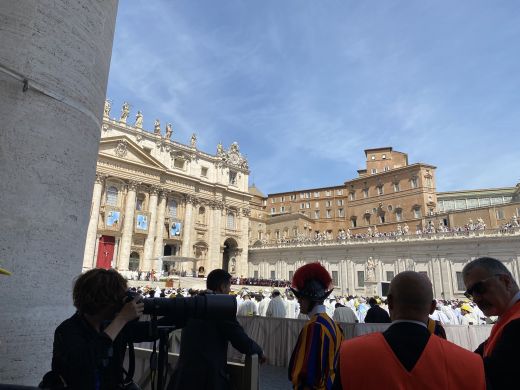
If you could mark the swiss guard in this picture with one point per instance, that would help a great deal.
(313, 361)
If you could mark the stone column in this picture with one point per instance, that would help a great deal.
(187, 250)
(128, 227)
(158, 247)
(148, 244)
(90, 242)
(215, 230)
(96, 250)
(52, 88)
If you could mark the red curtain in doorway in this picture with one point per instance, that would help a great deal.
(105, 252)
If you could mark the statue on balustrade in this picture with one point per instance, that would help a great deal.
(125, 110)
(157, 127)
(107, 108)
(193, 141)
(371, 270)
(169, 131)
(139, 120)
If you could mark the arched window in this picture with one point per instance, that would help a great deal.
(230, 220)
(172, 208)
(112, 196)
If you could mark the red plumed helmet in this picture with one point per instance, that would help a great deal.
(312, 281)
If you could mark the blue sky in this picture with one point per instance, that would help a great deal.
(305, 86)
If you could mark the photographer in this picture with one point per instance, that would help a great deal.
(89, 347)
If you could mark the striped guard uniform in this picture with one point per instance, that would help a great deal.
(315, 356)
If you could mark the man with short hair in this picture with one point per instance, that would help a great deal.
(344, 314)
(406, 354)
(376, 315)
(492, 287)
(204, 343)
(276, 307)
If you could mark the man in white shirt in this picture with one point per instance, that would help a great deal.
(344, 314)
(291, 306)
(262, 305)
(276, 307)
(247, 308)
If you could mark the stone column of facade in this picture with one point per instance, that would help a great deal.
(158, 247)
(243, 226)
(91, 242)
(214, 252)
(128, 227)
(52, 88)
(187, 250)
(96, 250)
(148, 244)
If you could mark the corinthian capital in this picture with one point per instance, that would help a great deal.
(132, 185)
(100, 178)
(154, 190)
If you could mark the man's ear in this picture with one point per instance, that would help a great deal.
(433, 306)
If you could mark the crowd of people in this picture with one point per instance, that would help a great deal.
(411, 353)
(401, 230)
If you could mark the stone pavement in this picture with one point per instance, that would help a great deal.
(274, 378)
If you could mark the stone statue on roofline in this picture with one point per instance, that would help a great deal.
(157, 127)
(108, 106)
(193, 140)
(139, 120)
(125, 110)
(169, 131)
(220, 149)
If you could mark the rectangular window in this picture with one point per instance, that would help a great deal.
(307, 195)
(484, 202)
(374, 171)
(341, 213)
(273, 275)
(353, 223)
(302, 206)
(417, 213)
(389, 276)
(413, 182)
(352, 195)
(387, 168)
(500, 214)
(381, 218)
(396, 187)
(472, 203)
(317, 205)
(232, 178)
(380, 190)
(204, 171)
(260, 235)
(295, 232)
(273, 200)
(340, 202)
(328, 193)
(139, 204)
(365, 193)
(178, 163)
(339, 192)
(264, 202)
(301, 195)
(460, 204)
(273, 210)
(329, 213)
(361, 278)
(293, 197)
(282, 209)
(317, 214)
(460, 281)
(308, 205)
(335, 279)
(328, 203)
(398, 215)
(316, 194)
(429, 182)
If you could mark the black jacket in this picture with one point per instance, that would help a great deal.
(84, 357)
(501, 366)
(203, 355)
(376, 315)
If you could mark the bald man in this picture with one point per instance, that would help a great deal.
(406, 355)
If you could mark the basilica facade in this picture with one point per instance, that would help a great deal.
(162, 204)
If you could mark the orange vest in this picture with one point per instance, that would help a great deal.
(512, 314)
(368, 362)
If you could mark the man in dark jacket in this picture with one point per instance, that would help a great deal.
(203, 356)
(376, 315)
